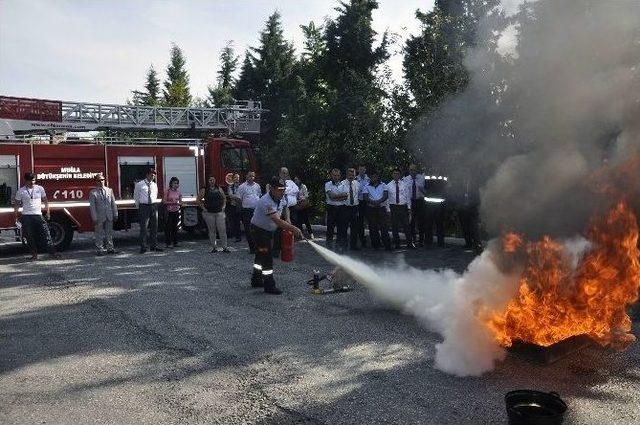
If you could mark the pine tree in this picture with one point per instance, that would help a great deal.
(355, 121)
(273, 68)
(229, 63)
(176, 86)
(434, 65)
(245, 86)
(222, 94)
(152, 87)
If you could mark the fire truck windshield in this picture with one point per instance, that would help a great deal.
(235, 159)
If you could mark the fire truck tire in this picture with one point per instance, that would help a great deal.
(61, 232)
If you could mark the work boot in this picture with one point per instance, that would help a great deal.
(256, 279)
(270, 286)
(272, 290)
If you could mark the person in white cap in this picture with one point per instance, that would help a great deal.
(266, 219)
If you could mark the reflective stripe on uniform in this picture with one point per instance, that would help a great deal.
(257, 266)
(267, 272)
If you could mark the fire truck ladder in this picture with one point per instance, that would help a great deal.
(21, 115)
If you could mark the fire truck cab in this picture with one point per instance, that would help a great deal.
(67, 169)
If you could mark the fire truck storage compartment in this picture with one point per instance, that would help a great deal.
(184, 168)
(132, 169)
(8, 179)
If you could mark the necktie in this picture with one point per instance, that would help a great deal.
(149, 191)
(350, 193)
(413, 189)
(397, 192)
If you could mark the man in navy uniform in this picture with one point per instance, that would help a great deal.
(435, 197)
(266, 219)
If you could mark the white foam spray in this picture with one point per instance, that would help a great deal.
(447, 302)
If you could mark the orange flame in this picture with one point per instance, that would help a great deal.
(556, 300)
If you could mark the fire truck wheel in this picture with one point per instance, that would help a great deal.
(61, 232)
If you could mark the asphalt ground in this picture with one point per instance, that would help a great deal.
(180, 337)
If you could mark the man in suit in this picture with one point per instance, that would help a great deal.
(104, 211)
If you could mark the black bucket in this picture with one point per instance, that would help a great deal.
(528, 407)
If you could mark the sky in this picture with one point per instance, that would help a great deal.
(98, 51)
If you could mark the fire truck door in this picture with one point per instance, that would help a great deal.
(8, 179)
(131, 170)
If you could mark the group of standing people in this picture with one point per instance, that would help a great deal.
(413, 204)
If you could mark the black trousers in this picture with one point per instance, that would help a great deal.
(148, 217)
(171, 228)
(362, 214)
(302, 218)
(400, 219)
(293, 216)
(36, 230)
(263, 262)
(434, 216)
(418, 218)
(349, 223)
(234, 214)
(247, 214)
(378, 229)
(469, 217)
(333, 221)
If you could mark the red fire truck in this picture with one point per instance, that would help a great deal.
(66, 167)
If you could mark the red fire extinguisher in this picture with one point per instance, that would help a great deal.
(286, 246)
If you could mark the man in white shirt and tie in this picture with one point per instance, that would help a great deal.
(400, 207)
(363, 182)
(145, 196)
(415, 182)
(349, 211)
(249, 193)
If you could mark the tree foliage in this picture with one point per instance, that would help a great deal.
(151, 94)
(336, 104)
(176, 86)
(433, 64)
(222, 93)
